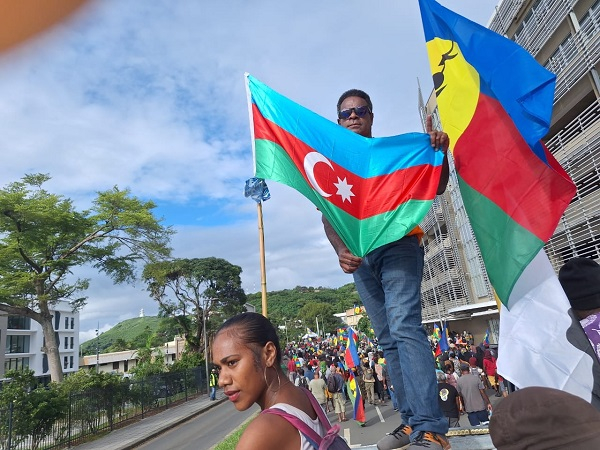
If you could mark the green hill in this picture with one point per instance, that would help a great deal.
(135, 331)
(284, 305)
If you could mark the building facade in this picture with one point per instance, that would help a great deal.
(563, 36)
(122, 362)
(22, 340)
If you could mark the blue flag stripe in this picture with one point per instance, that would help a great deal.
(338, 144)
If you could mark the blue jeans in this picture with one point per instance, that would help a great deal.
(392, 395)
(389, 284)
(213, 393)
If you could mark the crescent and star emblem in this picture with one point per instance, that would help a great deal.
(344, 189)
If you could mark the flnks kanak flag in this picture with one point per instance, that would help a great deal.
(371, 190)
(351, 354)
(358, 409)
(495, 103)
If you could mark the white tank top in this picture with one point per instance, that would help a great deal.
(314, 424)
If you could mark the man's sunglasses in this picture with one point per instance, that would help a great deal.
(360, 111)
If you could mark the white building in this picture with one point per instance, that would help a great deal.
(124, 361)
(22, 339)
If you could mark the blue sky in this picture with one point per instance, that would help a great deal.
(150, 96)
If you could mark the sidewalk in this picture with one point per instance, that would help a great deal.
(139, 432)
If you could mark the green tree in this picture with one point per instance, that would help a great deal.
(364, 326)
(36, 408)
(323, 312)
(120, 345)
(94, 395)
(194, 292)
(43, 238)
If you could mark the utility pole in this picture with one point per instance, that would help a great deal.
(205, 346)
(98, 348)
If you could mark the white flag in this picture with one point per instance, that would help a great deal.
(533, 346)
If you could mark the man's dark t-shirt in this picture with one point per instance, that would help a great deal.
(447, 398)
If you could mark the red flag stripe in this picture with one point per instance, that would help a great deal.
(529, 183)
(393, 189)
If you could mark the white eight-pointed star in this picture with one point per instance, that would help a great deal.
(344, 190)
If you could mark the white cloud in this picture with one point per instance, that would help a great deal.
(150, 96)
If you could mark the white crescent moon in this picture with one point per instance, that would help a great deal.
(310, 160)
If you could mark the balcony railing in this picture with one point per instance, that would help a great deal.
(505, 13)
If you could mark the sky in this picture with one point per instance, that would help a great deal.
(150, 96)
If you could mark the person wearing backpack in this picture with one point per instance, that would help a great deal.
(301, 380)
(369, 379)
(247, 352)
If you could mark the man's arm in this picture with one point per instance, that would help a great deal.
(458, 404)
(348, 262)
(486, 399)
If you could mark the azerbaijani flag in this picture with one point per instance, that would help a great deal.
(351, 355)
(371, 190)
(486, 338)
(495, 103)
(358, 409)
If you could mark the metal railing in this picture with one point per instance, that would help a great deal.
(99, 410)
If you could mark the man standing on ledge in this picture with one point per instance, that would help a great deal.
(388, 280)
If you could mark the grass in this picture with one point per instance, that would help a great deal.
(233, 438)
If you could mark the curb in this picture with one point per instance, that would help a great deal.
(160, 430)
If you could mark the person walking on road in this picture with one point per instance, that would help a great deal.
(476, 402)
(318, 388)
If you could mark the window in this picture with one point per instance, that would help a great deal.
(16, 364)
(66, 323)
(19, 323)
(116, 365)
(66, 342)
(72, 323)
(72, 341)
(66, 362)
(70, 362)
(17, 344)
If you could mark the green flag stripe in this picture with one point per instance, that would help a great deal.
(507, 248)
(361, 236)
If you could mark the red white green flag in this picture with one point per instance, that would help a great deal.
(372, 190)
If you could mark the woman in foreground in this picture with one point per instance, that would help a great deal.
(246, 348)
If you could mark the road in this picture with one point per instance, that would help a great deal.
(202, 432)
(210, 428)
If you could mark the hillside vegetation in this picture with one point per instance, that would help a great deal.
(135, 331)
(297, 308)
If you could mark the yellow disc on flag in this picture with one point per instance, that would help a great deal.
(457, 86)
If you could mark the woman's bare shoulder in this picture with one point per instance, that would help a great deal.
(268, 431)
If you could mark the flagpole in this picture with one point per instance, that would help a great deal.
(261, 248)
